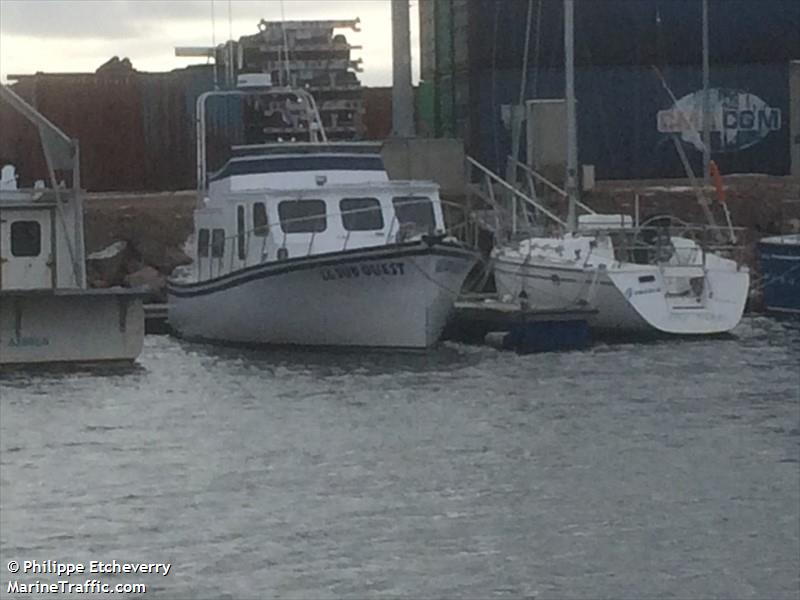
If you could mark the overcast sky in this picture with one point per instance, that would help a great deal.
(80, 35)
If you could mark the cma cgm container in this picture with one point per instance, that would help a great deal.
(473, 54)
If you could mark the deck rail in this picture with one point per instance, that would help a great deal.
(224, 257)
(513, 206)
(659, 244)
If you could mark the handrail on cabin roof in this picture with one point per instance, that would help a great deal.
(312, 116)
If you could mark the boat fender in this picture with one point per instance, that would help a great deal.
(283, 254)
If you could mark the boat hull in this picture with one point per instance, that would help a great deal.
(81, 326)
(388, 296)
(631, 301)
(780, 268)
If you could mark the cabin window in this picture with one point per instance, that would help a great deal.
(260, 222)
(26, 238)
(415, 210)
(240, 235)
(217, 243)
(302, 216)
(361, 214)
(202, 243)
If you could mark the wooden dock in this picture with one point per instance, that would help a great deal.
(487, 319)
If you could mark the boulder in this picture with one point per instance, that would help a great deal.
(175, 257)
(162, 256)
(108, 265)
(150, 279)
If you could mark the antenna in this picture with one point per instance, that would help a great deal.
(230, 69)
(214, 44)
(230, 21)
(285, 47)
(213, 26)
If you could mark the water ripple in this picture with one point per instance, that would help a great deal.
(666, 469)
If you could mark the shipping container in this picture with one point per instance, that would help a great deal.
(634, 32)
(136, 130)
(625, 119)
(626, 116)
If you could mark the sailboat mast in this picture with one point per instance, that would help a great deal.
(706, 100)
(572, 140)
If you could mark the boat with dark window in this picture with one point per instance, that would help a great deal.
(47, 312)
(310, 243)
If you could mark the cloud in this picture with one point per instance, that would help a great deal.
(54, 18)
(123, 18)
(64, 36)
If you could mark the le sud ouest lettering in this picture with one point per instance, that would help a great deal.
(389, 269)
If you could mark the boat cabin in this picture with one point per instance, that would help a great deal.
(285, 201)
(257, 227)
(36, 250)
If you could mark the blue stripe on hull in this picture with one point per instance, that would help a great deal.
(270, 269)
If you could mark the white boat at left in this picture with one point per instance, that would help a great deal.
(47, 314)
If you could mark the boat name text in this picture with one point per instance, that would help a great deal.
(366, 270)
(629, 292)
(28, 342)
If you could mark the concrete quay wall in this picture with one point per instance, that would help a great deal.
(157, 226)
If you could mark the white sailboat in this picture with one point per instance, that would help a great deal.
(311, 244)
(652, 277)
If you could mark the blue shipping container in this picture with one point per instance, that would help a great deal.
(626, 119)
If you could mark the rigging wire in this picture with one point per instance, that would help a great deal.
(231, 68)
(213, 26)
(517, 115)
(230, 21)
(285, 47)
(524, 79)
(214, 44)
(495, 115)
(537, 50)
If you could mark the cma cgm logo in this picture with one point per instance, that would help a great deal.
(738, 119)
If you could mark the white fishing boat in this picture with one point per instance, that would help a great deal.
(310, 243)
(660, 276)
(47, 314)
